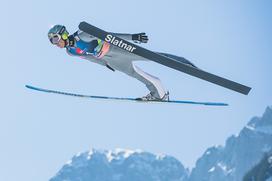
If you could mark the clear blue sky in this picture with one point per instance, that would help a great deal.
(40, 132)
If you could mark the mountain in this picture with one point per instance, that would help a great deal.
(262, 171)
(225, 163)
(239, 154)
(121, 165)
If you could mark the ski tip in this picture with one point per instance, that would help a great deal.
(32, 87)
(29, 86)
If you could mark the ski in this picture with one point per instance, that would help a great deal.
(122, 98)
(166, 61)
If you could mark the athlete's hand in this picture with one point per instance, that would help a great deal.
(140, 38)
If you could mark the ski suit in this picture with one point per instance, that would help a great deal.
(95, 50)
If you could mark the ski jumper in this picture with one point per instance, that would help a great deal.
(95, 50)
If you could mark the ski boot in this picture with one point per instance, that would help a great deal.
(151, 97)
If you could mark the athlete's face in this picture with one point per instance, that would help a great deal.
(61, 43)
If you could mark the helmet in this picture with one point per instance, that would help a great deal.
(56, 33)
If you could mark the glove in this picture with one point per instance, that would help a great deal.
(140, 38)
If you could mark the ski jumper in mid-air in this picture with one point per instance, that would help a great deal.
(98, 51)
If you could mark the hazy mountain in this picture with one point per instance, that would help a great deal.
(261, 171)
(121, 165)
(240, 153)
(225, 163)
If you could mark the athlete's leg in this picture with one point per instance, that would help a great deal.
(125, 65)
(122, 61)
(153, 83)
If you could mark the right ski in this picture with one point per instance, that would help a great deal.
(169, 62)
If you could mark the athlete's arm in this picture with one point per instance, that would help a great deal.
(85, 36)
(137, 38)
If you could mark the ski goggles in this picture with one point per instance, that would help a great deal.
(55, 38)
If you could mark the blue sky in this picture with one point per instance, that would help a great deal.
(40, 132)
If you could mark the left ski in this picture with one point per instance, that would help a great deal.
(123, 98)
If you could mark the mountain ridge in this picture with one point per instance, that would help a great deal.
(229, 162)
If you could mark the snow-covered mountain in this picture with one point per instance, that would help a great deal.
(225, 163)
(239, 155)
(121, 165)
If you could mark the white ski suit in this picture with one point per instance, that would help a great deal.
(119, 59)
